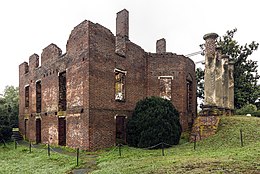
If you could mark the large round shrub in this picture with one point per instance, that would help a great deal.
(5, 132)
(246, 109)
(154, 120)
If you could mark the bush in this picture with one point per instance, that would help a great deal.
(256, 113)
(154, 120)
(247, 109)
(5, 132)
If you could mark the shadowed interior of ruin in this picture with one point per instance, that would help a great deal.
(38, 97)
(62, 91)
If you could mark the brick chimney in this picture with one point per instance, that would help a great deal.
(122, 23)
(122, 32)
(161, 46)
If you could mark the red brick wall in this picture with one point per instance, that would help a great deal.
(78, 130)
(49, 129)
(103, 61)
(22, 82)
(179, 67)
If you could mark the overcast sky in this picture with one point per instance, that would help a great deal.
(28, 26)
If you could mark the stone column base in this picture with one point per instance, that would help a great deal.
(210, 110)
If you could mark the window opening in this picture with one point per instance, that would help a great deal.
(119, 86)
(189, 95)
(38, 97)
(62, 92)
(27, 96)
(166, 87)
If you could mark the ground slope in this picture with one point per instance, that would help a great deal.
(221, 153)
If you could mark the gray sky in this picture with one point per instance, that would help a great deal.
(28, 26)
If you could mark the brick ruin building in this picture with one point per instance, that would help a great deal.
(83, 98)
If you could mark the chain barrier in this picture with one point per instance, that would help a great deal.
(28, 144)
(161, 145)
(152, 147)
(109, 152)
(167, 144)
(17, 142)
(66, 155)
(33, 145)
(53, 150)
(3, 142)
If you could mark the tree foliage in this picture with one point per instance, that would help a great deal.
(9, 110)
(246, 89)
(247, 109)
(200, 82)
(154, 120)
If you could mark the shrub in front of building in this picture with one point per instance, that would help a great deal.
(154, 120)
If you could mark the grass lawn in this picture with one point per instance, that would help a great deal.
(21, 161)
(221, 153)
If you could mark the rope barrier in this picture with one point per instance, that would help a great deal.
(167, 144)
(33, 145)
(112, 150)
(3, 142)
(53, 150)
(152, 147)
(162, 143)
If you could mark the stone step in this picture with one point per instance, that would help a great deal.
(17, 136)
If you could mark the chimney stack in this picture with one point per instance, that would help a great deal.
(161, 46)
(122, 32)
(122, 24)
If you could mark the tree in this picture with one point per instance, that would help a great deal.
(246, 89)
(154, 120)
(200, 82)
(9, 110)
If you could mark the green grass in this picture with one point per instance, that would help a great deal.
(220, 153)
(21, 161)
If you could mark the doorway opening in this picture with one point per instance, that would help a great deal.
(25, 128)
(62, 131)
(38, 131)
(120, 130)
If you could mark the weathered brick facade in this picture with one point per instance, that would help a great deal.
(81, 94)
